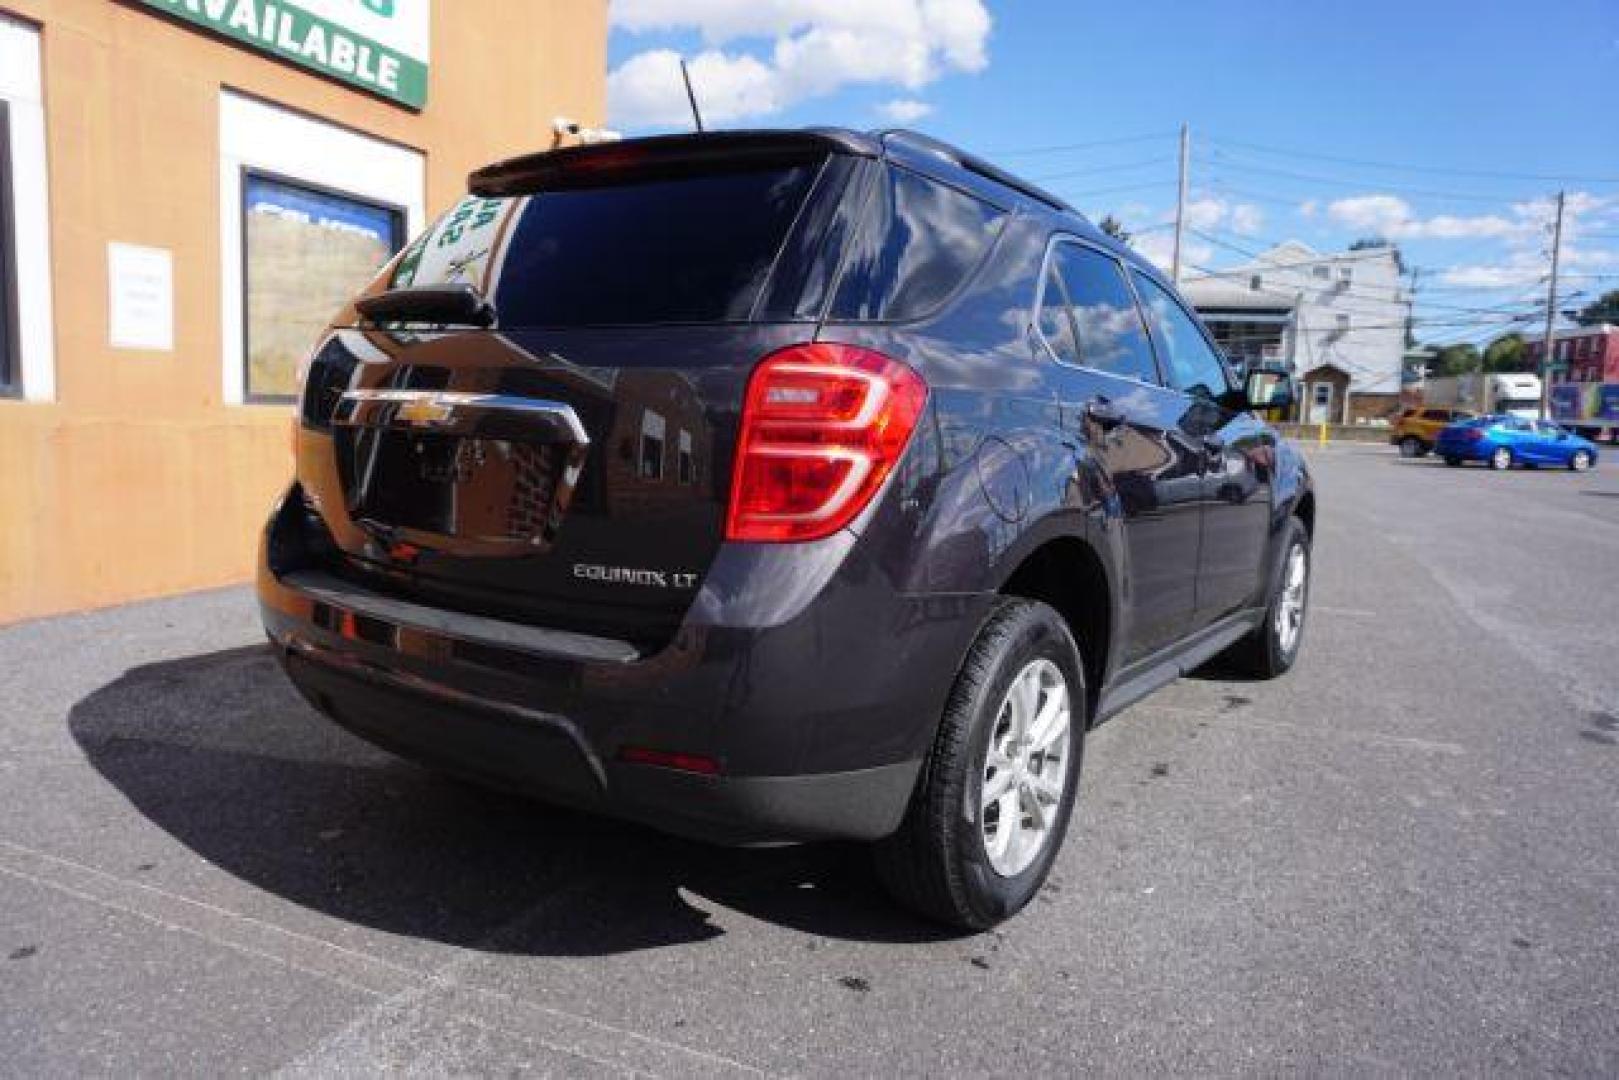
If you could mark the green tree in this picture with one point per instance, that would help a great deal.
(1454, 360)
(1604, 309)
(1508, 352)
(1114, 228)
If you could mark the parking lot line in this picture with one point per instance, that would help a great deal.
(390, 984)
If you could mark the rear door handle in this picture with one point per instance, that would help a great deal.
(1103, 413)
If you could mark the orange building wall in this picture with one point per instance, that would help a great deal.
(138, 481)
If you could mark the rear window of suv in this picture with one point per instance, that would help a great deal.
(690, 249)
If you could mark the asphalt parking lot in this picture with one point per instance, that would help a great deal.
(1402, 858)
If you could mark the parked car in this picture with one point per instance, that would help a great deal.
(1415, 430)
(779, 486)
(1505, 441)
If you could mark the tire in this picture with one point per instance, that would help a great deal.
(950, 861)
(1580, 460)
(1453, 462)
(1271, 650)
(1500, 460)
(1411, 447)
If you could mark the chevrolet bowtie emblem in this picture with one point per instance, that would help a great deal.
(424, 412)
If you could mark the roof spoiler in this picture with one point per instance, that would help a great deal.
(661, 157)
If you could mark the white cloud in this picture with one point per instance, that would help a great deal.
(1519, 269)
(1392, 217)
(1158, 247)
(1525, 260)
(905, 110)
(1247, 219)
(647, 87)
(1308, 208)
(805, 49)
(1210, 212)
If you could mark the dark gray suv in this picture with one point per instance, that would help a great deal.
(771, 486)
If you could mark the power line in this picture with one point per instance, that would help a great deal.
(1223, 161)
(1501, 319)
(1076, 195)
(1405, 167)
(1066, 147)
(1357, 290)
(1125, 167)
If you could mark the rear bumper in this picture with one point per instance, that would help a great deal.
(811, 684)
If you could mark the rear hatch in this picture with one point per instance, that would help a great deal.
(532, 412)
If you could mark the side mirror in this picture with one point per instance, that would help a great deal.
(1268, 390)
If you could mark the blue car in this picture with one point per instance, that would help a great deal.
(1505, 441)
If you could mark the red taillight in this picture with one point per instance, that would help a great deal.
(822, 427)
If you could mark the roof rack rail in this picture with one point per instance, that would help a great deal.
(972, 163)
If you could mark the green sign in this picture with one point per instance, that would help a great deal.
(377, 45)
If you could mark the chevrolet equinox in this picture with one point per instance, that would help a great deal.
(779, 486)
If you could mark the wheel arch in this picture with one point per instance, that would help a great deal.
(1304, 510)
(1068, 573)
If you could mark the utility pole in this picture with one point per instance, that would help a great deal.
(691, 95)
(1551, 313)
(1180, 207)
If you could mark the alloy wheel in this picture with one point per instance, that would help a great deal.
(1026, 769)
(1290, 605)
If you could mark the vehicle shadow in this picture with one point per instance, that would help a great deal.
(222, 754)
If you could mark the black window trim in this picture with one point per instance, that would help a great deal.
(401, 219)
(1124, 272)
(11, 376)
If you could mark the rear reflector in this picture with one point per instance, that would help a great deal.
(822, 427)
(669, 759)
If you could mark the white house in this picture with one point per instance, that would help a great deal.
(1338, 320)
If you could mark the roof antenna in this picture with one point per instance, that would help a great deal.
(691, 95)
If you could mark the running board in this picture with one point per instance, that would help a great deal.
(1160, 670)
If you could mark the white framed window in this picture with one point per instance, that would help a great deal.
(1321, 273)
(1343, 323)
(1346, 274)
(291, 186)
(27, 342)
(653, 428)
(687, 467)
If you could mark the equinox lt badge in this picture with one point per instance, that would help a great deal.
(626, 575)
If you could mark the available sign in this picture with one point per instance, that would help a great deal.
(378, 45)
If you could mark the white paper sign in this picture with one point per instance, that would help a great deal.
(140, 283)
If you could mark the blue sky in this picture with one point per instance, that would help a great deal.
(1321, 122)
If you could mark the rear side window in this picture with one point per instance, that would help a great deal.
(1106, 319)
(1056, 326)
(1437, 414)
(919, 240)
(690, 249)
(1195, 367)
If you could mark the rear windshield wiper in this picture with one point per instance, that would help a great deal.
(459, 304)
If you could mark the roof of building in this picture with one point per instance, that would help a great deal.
(1234, 294)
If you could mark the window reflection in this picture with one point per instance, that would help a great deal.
(1108, 325)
